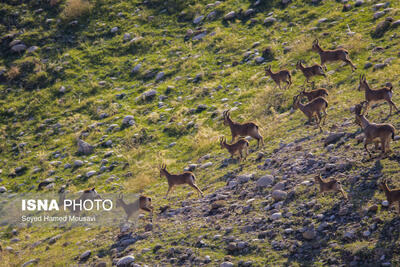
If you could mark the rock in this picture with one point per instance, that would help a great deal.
(125, 261)
(114, 29)
(309, 234)
(366, 233)
(54, 239)
(30, 262)
(245, 178)
(396, 24)
(359, 3)
(285, 2)
(268, 54)
(249, 12)
(373, 208)
(212, 15)
(382, 27)
(265, 180)
(148, 95)
(385, 203)
(269, 20)
(78, 163)
(18, 48)
(84, 148)
(259, 60)
(333, 138)
(127, 37)
(379, 14)
(160, 76)
(230, 15)
(206, 165)
(367, 65)
(85, 256)
(90, 174)
(32, 49)
(349, 234)
(276, 216)
(136, 69)
(198, 20)
(379, 66)
(128, 121)
(3, 189)
(279, 195)
(226, 264)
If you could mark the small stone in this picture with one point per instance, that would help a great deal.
(198, 20)
(230, 15)
(85, 255)
(84, 148)
(276, 216)
(125, 261)
(279, 195)
(269, 20)
(366, 233)
(309, 234)
(385, 203)
(3, 189)
(90, 174)
(128, 121)
(18, 48)
(264, 181)
(114, 29)
(226, 264)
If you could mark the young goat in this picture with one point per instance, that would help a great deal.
(392, 196)
(311, 71)
(378, 95)
(179, 179)
(243, 129)
(374, 132)
(329, 185)
(280, 76)
(332, 55)
(313, 109)
(238, 147)
(142, 203)
(311, 95)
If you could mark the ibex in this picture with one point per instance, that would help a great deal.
(313, 109)
(378, 95)
(142, 203)
(88, 194)
(374, 132)
(321, 92)
(243, 129)
(392, 196)
(339, 54)
(179, 179)
(238, 147)
(311, 71)
(329, 185)
(280, 76)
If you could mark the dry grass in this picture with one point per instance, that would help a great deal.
(75, 9)
(13, 73)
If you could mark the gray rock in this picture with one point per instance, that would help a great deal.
(128, 121)
(309, 234)
(32, 49)
(3, 189)
(30, 262)
(125, 261)
(206, 165)
(114, 29)
(385, 203)
(245, 178)
(212, 15)
(149, 94)
(84, 148)
(136, 69)
(226, 264)
(396, 24)
(78, 163)
(85, 255)
(379, 14)
(276, 216)
(90, 173)
(265, 180)
(269, 20)
(198, 20)
(359, 3)
(279, 195)
(18, 48)
(333, 138)
(230, 15)
(160, 76)
(379, 66)
(127, 37)
(199, 36)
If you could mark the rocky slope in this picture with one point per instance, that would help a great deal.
(99, 93)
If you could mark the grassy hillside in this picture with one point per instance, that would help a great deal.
(76, 69)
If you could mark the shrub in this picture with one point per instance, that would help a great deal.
(74, 9)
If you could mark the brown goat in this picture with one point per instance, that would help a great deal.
(392, 195)
(311, 71)
(374, 132)
(339, 54)
(142, 203)
(243, 129)
(321, 92)
(329, 185)
(179, 179)
(313, 109)
(377, 95)
(238, 147)
(280, 76)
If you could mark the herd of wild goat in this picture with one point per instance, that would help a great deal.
(376, 133)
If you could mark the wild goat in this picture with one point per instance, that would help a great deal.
(392, 196)
(238, 147)
(374, 132)
(378, 95)
(311, 71)
(280, 76)
(313, 109)
(332, 55)
(88, 194)
(322, 92)
(329, 185)
(243, 129)
(142, 203)
(179, 179)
